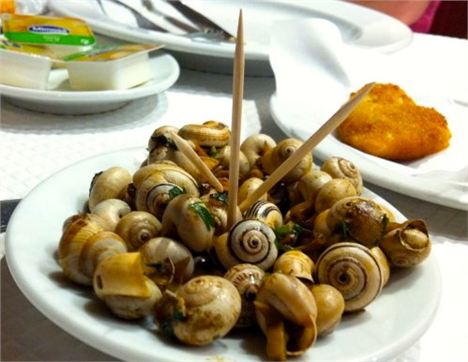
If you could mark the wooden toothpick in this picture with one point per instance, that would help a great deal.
(237, 97)
(307, 147)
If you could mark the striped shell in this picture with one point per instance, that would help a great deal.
(265, 211)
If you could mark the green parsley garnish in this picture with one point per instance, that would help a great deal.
(213, 152)
(202, 211)
(221, 197)
(176, 191)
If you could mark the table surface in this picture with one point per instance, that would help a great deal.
(35, 145)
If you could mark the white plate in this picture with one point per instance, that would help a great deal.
(60, 98)
(391, 324)
(359, 26)
(441, 186)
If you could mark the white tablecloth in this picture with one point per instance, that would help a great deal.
(34, 145)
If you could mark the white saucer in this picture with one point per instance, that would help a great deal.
(61, 99)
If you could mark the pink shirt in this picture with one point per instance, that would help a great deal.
(423, 24)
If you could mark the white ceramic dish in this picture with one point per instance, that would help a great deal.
(437, 183)
(359, 26)
(391, 324)
(60, 98)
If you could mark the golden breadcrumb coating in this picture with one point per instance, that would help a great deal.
(388, 124)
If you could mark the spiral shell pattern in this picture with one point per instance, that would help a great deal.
(339, 167)
(249, 241)
(208, 134)
(137, 227)
(265, 211)
(353, 270)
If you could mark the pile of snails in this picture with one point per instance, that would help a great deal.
(156, 242)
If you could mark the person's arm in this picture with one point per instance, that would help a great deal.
(406, 11)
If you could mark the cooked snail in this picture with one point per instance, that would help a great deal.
(333, 191)
(353, 270)
(330, 307)
(310, 184)
(286, 312)
(255, 146)
(249, 241)
(296, 264)
(188, 218)
(408, 244)
(111, 210)
(383, 262)
(265, 211)
(247, 278)
(208, 134)
(137, 227)
(109, 184)
(202, 310)
(160, 252)
(216, 203)
(339, 167)
(120, 282)
(248, 187)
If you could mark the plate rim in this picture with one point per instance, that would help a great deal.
(225, 50)
(111, 347)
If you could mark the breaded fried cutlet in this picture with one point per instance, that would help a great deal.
(387, 123)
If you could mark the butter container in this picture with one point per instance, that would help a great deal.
(24, 66)
(118, 67)
(63, 36)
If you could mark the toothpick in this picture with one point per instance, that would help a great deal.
(193, 157)
(307, 147)
(237, 96)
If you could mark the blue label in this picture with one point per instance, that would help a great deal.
(48, 29)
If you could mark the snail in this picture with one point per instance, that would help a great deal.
(77, 232)
(156, 191)
(208, 134)
(255, 146)
(137, 227)
(333, 191)
(296, 264)
(247, 278)
(310, 184)
(188, 218)
(265, 211)
(160, 141)
(200, 311)
(160, 252)
(147, 170)
(274, 157)
(383, 262)
(286, 313)
(353, 270)
(109, 184)
(111, 210)
(339, 167)
(249, 241)
(408, 244)
(330, 307)
(248, 187)
(216, 203)
(224, 158)
(120, 282)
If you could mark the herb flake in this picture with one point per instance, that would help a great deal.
(202, 211)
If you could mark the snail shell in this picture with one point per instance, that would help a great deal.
(339, 167)
(255, 146)
(109, 184)
(157, 250)
(248, 187)
(119, 281)
(137, 227)
(310, 184)
(249, 241)
(353, 270)
(333, 191)
(71, 244)
(207, 307)
(111, 210)
(247, 278)
(365, 220)
(208, 134)
(296, 264)
(275, 157)
(265, 211)
(224, 159)
(145, 171)
(383, 262)
(330, 307)
(159, 141)
(280, 299)
(189, 219)
(217, 206)
(407, 245)
(98, 247)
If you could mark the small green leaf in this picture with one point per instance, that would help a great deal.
(213, 152)
(202, 211)
(343, 229)
(176, 191)
(282, 247)
(282, 230)
(297, 229)
(221, 197)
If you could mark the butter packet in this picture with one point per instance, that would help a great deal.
(111, 67)
(63, 35)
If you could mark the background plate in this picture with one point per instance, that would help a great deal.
(391, 324)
